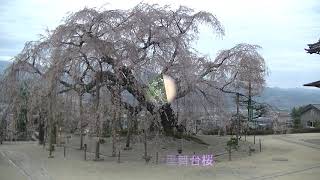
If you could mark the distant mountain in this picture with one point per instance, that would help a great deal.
(4, 65)
(283, 99)
(286, 99)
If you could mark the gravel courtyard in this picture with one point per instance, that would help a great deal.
(284, 157)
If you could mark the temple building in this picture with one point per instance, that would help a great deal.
(314, 48)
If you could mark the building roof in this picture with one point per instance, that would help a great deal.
(311, 106)
(315, 84)
(314, 48)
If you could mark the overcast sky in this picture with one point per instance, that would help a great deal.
(282, 27)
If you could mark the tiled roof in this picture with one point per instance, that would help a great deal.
(310, 106)
(314, 48)
(315, 84)
(316, 106)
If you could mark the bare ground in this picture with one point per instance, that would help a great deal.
(302, 161)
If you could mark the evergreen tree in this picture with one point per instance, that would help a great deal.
(22, 114)
(296, 115)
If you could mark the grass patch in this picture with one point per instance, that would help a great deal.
(190, 138)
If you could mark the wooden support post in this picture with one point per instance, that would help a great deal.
(119, 157)
(145, 143)
(51, 147)
(97, 154)
(260, 144)
(157, 156)
(229, 150)
(238, 118)
(64, 151)
(85, 151)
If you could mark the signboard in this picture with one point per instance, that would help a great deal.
(193, 160)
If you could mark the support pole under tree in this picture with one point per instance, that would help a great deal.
(229, 152)
(97, 113)
(52, 99)
(146, 157)
(245, 136)
(85, 151)
(250, 112)
(81, 120)
(119, 157)
(260, 145)
(44, 144)
(145, 143)
(64, 151)
(51, 129)
(131, 115)
(41, 131)
(238, 118)
(97, 153)
(116, 100)
(157, 157)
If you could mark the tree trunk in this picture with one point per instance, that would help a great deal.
(168, 119)
(128, 80)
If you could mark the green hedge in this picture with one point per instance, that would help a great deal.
(305, 130)
(250, 132)
(188, 138)
(211, 132)
(260, 132)
(122, 133)
(194, 139)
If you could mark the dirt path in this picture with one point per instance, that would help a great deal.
(8, 171)
(30, 167)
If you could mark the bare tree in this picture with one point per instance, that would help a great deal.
(117, 49)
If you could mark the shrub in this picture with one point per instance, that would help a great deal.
(260, 132)
(211, 132)
(194, 139)
(306, 130)
(105, 135)
(102, 141)
(232, 143)
(189, 138)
